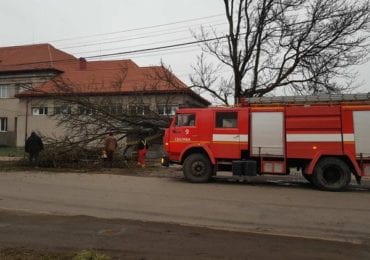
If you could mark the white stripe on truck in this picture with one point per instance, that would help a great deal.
(314, 137)
(229, 138)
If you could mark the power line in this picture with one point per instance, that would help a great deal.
(143, 35)
(134, 51)
(164, 52)
(136, 38)
(132, 37)
(156, 48)
(116, 41)
(127, 47)
(125, 52)
(139, 28)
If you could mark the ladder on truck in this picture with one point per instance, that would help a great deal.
(317, 99)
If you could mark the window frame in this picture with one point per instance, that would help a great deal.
(4, 91)
(115, 109)
(189, 114)
(220, 113)
(139, 110)
(63, 110)
(42, 111)
(84, 111)
(3, 124)
(168, 109)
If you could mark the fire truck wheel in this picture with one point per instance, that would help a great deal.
(197, 168)
(331, 174)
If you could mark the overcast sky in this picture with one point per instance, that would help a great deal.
(87, 28)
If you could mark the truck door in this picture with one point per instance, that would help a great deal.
(226, 135)
(183, 132)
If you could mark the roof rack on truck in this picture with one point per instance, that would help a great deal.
(317, 99)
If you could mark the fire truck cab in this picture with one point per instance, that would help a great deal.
(327, 137)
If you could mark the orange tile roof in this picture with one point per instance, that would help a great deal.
(32, 57)
(110, 77)
(78, 76)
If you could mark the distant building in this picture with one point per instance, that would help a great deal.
(32, 78)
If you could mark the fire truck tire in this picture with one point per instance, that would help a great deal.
(331, 174)
(197, 168)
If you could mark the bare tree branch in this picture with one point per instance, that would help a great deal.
(299, 46)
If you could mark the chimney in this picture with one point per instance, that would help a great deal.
(83, 63)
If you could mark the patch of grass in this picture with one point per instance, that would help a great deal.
(6, 166)
(24, 165)
(12, 151)
(90, 255)
(28, 254)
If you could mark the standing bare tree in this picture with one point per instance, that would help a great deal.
(299, 46)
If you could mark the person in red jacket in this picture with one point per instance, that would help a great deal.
(142, 147)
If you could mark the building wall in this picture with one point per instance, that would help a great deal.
(10, 109)
(47, 125)
(21, 119)
(42, 125)
(15, 109)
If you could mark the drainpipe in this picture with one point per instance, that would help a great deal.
(26, 124)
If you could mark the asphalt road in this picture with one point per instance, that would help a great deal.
(35, 236)
(287, 209)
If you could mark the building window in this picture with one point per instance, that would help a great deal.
(86, 110)
(4, 91)
(62, 110)
(185, 120)
(139, 110)
(167, 110)
(115, 109)
(36, 111)
(3, 124)
(226, 119)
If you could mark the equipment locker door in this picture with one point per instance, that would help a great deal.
(267, 134)
(361, 121)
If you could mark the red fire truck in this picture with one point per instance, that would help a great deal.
(326, 137)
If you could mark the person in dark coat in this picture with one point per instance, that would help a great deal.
(33, 147)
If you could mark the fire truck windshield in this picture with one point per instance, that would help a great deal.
(185, 120)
